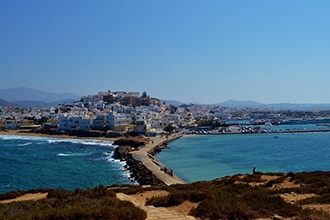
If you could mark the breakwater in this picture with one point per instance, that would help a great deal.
(144, 167)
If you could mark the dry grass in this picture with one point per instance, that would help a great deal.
(259, 196)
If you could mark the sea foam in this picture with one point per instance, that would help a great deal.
(59, 140)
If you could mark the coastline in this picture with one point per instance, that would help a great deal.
(59, 136)
(144, 166)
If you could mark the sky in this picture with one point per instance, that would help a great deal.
(208, 52)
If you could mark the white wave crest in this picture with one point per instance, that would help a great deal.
(83, 142)
(63, 155)
(25, 144)
(59, 140)
(23, 137)
(71, 154)
(109, 156)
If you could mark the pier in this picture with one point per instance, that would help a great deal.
(146, 156)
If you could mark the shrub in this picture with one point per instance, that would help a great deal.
(252, 178)
(96, 203)
(158, 201)
(11, 195)
(275, 181)
(221, 209)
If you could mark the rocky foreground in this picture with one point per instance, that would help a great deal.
(265, 196)
(255, 196)
(259, 196)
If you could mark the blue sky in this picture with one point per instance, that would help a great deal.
(191, 51)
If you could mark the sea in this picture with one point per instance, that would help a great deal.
(39, 162)
(207, 157)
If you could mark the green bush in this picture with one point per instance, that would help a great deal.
(275, 181)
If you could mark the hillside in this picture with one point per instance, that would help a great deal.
(4, 103)
(28, 94)
(256, 196)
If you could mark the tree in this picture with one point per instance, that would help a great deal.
(169, 128)
(144, 95)
(173, 109)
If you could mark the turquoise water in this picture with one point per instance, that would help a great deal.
(299, 127)
(208, 157)
(36, 162)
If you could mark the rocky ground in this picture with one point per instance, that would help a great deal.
(286, 188)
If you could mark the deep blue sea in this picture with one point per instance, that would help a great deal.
(37, 162)
(207, 157)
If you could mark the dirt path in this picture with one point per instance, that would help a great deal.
(29, 196)
(153, 212)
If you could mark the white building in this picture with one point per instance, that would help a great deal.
(117, 119)
(115, 107)
(74, 123)
(12, 124)
(99, 122)
(99, 105)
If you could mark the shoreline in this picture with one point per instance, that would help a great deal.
(59, 136)
(143, 165)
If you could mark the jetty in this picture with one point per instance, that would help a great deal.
(146, 167)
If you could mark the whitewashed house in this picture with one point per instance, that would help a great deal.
(100, 105)
(117, 119)
(141, 126)
(99, 122)
(115, 107)
(12, 124)
(74, 123)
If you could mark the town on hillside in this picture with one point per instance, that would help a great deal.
(112, 114)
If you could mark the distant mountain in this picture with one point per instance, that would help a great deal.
(28, 94)
(31, 104)
(257, 105)
(305, 107)
(5, 103)
(276, 106)
(242, 104)
(172, 102)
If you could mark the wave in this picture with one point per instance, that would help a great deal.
(64, 155)
(24, 144)
(23, 137)
(72, 154)
(108, 156)
(59, 140)
(82, 142)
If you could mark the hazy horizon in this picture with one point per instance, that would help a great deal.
(189, 51)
